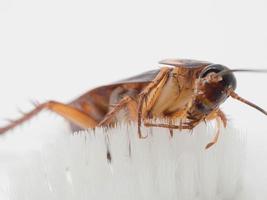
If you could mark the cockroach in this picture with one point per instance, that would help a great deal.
(182, 90)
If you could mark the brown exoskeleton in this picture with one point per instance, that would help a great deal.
(188, 91)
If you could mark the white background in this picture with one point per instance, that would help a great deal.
(57, 49)
(60, 49)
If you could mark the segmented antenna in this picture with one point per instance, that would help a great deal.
(242, 70)
(236, 96)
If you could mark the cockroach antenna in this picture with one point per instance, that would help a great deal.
(236, 96)
(242, 70)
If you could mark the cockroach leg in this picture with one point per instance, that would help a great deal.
(220, 117)
(163, 72)
(223, 118)
(126, 101)
(171, 130)
(215, 139)
(169, 126)
(108, 156)
(68, 112)
(181, 123)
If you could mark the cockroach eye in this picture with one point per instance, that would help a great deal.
(228, 79)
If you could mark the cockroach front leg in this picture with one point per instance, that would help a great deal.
(157, 83)
(218, 130)
(220, 118)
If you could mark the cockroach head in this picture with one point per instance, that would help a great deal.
(216, 83)
(212, 87)
(218, 74)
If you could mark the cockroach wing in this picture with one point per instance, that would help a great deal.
(186, 63)
(140, 78)
(106, 90)
(150, 75)
(99, 98)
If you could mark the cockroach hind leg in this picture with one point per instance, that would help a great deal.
(35, 103)
(13, 123)
(68, 112)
